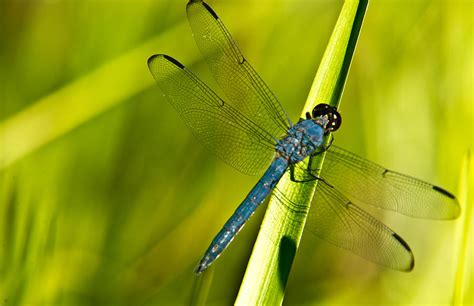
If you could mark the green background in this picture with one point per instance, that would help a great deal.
(106, 198)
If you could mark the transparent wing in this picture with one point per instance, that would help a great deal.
(240, 82)
(221, 128)
(337, 220)
(369, 183)
(334, 218)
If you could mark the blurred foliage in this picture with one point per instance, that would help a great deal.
(106, 198)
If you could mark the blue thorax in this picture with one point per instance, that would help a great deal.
(301, 141)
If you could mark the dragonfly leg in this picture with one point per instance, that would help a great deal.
(307, 176)
(309, 173)
(310, 169)
(325, 147)
(310, 165)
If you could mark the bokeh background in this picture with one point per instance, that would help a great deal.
(106, 198)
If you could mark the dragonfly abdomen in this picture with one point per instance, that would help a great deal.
(246, 209)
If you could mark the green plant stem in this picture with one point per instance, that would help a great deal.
(269, 266)
(461, 295)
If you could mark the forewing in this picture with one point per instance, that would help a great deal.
(369, 183)
(240, 82)
(224, 130)
(337, 220)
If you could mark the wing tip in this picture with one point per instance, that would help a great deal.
(173, 60)
(152, 58)
(456, 209)
(205, 5)
(411, 264)
(210, 10)
(403, 242)
(156, 57)
(444, 192)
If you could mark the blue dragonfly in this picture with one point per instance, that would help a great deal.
(255, 133)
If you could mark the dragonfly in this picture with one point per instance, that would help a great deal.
(255, 135)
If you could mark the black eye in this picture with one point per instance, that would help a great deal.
(334, 122)
(321, 110)
(331, 113)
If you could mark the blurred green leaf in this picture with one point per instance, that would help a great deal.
(76, 103)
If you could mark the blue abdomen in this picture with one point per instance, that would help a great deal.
(245, 210)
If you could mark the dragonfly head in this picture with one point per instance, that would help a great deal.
(330, 114)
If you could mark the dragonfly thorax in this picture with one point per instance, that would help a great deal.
(302, 140)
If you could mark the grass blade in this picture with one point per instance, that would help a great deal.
(269, 266)
(462, 294)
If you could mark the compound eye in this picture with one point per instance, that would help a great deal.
(321, 110)
(335, 121)
(331, 114)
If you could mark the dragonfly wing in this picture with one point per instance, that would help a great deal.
(337, 220)
(369, 183)
(239, 81)
(224, 130)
